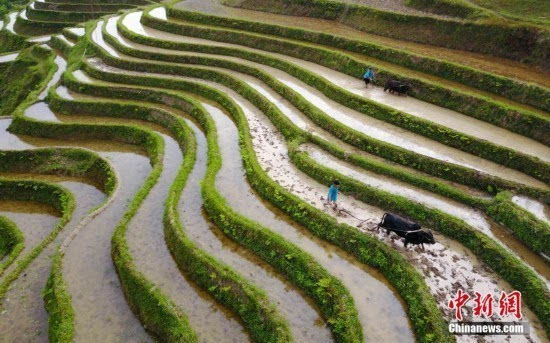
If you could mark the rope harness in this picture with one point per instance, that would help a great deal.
(378, 226)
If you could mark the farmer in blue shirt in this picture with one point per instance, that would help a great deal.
(368, 77)
(333, 193)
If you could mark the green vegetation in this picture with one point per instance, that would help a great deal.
(44, 193)
(26, 74)
(536, 11)
(10, 42)
(7, 6)
(57, 301)
(524, 225)
(12, 242)
(453, 8)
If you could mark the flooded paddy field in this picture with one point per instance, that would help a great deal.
(212, 224)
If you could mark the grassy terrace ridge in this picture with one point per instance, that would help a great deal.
(454, 8)
(64, 16)
(81, 7)
(500, 260)
(429, 165)
(302, 270)
(98, 2)
(25, 75)
(71, 36)
(10, 42)
(496, 36)
(33, 27)
(437, 132)
(519, 120)
(12, 242)
(45, 193)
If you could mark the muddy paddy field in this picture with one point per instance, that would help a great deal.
(164, 172)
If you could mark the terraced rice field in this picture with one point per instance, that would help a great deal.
(166, 181)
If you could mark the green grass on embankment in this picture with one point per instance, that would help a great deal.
(454, 8)
(24, 76)
(42, 192)
(12, 242)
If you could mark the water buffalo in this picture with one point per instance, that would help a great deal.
(412, 232)
(396, 86)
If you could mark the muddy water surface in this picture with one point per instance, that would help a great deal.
(11, 22)
(537, 208)
(34, 220)
(61, 66)
(79, 31)
(101, 311)
(8, 58)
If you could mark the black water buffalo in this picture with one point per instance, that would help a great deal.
(412, 232)
(396, 86)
